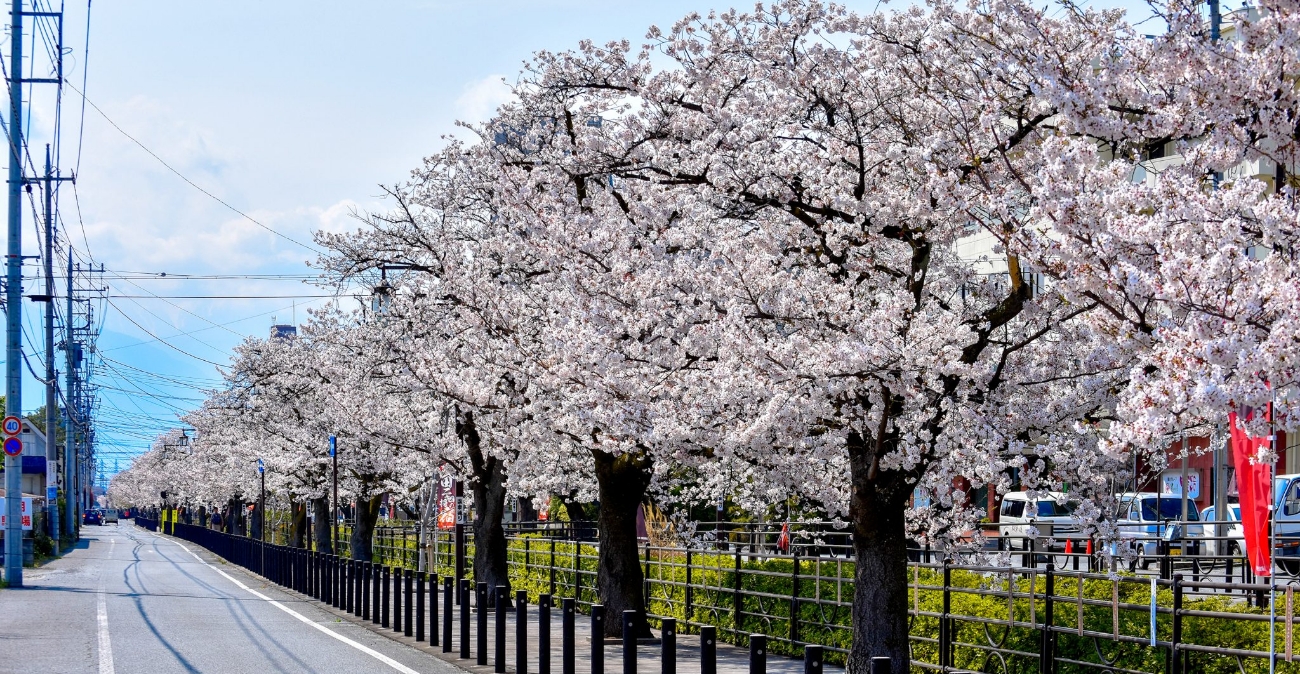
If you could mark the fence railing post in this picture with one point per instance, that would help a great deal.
(629, 642)
(945, 639)
(668, 638)
(794, 596)
(567, 646)
(1175, 656)
(552, 589)
(464, 618)
(419, 606)
(708, 650)
(757, 654)
(499, 629)
(521, 632)
(738, 599)
(812, 659)
(690, 592)
(597, 639)
(544, 634)
(1047, 650)
(480, 605)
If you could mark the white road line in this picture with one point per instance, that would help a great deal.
(361, 647)
(105, 644)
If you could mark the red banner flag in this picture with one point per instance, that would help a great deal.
(1255, 492)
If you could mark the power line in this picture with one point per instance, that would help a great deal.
(160, 339)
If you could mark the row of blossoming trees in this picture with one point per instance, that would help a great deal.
(728, 262)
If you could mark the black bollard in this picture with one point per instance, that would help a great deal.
(448, 598)
(349, 579)
(812, 660)
(419, 607)
(480, 605)
(499, 631)
(367, 568)
(521, 632)
(376, 579)
(544, 634)
(881, 664)
(397, 600)
(757, 654)
(464, 618)
(629, 642)
(433, 609)
(597, 639)
(668, 636)
(387, 587)
(566, 636)
(358, 586)
(408, 617)
(708, 650)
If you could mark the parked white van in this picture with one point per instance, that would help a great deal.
(1051, 514)
(1146, 518)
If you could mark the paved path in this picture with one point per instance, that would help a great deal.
(126, 600)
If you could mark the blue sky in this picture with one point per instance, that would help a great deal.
(291, 111)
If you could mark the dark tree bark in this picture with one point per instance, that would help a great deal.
(255, 522)
(619, 581)
(320, 507)
(363, 527)
(297, 524)
(488, 483)
(877, 507)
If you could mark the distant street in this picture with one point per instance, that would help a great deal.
(129, 601)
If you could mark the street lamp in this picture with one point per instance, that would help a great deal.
(334, 524)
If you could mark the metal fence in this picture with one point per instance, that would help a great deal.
(1049, 607)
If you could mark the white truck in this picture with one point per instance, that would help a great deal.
(1050, 515)
(1146, 518)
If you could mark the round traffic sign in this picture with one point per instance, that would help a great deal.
(13, 446)
(13, 425)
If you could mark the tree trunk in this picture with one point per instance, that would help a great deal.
(488, 483)
(880, 598)
(363, 527)
(320, 507)
(255, 519)
(619, 581)
(297, 524)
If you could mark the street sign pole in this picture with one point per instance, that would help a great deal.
(334, 514)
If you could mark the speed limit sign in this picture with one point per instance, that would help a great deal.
(13, 425)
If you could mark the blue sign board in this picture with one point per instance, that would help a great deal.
(51, 494)
(334, 445)
(261, 467)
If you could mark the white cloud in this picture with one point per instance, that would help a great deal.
(480, 100)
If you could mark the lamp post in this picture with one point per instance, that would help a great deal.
(261, 500)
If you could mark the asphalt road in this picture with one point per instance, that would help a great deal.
(126, 600)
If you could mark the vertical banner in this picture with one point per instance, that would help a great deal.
(1255, 493)
(445, 497)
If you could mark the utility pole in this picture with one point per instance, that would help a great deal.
(13, 302)
(71, 489)
(51, 396)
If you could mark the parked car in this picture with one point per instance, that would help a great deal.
(1233, 539)
(1146, 518)
(1286, 493)
(92, 517)
(110, 516)
(1051, 515)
